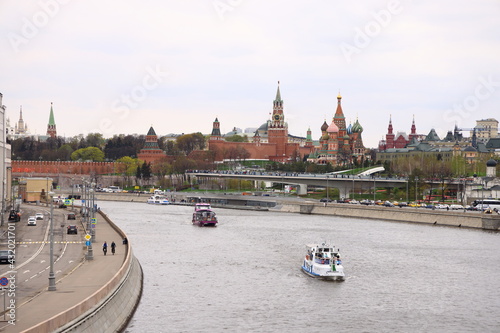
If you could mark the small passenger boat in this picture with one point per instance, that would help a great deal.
(323, 261)
(204, 215)
(158, 200)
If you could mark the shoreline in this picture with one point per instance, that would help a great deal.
(459, 218)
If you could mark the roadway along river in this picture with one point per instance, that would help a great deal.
(244, 275)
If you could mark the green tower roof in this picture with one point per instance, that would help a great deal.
(51, 117)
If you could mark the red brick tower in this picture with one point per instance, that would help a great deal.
(389, 137)
(216, 131)
(151, 151)
(413, 132)
(278, 129)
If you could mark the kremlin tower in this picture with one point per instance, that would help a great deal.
(51, 127)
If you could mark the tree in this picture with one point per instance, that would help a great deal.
(123, 145)
(146, 170)
(237, 138)
(93, 154)
(127, 165)
(64, 152)
(189, 142)
(171, 148)
(95, 140)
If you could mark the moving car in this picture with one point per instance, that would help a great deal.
(32, 221)
(71, 216)
(39, 216)
(72, 229)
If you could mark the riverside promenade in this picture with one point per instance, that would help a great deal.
(85, 291)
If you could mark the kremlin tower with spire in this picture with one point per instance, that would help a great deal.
(51, 127)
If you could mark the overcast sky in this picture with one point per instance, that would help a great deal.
(121, 66)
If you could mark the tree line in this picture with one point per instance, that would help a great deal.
(94, 147)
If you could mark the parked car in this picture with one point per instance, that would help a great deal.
(456, 207)
(32, 221)
(6, 257)
(39, 216)
(388, 204)
(14, 216)
(325, 200)
(72, 229)
(71, 216)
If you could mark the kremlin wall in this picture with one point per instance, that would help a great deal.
(65, 167)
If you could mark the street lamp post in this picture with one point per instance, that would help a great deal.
(52, 277)
(327, 194)
(406, 188)
(374, 189)
(92, 226)
(416, 188)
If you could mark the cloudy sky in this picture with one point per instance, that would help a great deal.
(121, 66)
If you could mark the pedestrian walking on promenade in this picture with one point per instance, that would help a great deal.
(105, 248)
(113, 246)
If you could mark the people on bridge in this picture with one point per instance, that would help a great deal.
(113, 246)
(105, 248)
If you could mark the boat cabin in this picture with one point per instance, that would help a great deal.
(202, 206)
(322, 254)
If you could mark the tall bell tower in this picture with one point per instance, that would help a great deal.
(278, 129)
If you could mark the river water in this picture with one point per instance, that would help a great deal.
(244, 275)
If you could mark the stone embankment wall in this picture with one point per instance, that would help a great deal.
(414, 215)
(107, 310)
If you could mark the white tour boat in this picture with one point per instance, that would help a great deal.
(323, 261)
(158, 199)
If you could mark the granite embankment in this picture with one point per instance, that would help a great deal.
(413, 215)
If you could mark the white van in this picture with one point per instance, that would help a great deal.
(113, 189)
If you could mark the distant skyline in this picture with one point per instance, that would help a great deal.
(118, 67)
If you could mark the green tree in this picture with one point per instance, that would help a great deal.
(146, 170)
(189, 142)
(93, 154)
(237, 138)
(65, 152)
(95, 140)
(127, 165)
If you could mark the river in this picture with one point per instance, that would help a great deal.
(244, 275)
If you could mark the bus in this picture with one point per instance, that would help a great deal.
(486, 203)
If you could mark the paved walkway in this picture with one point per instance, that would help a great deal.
(83, 281)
